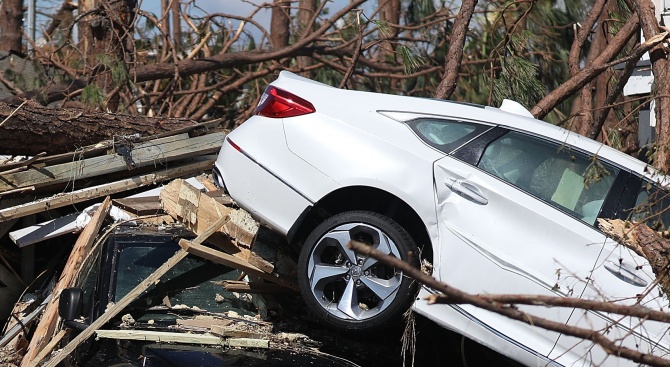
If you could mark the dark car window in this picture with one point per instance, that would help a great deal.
(652, 207)
(445, 135)
(564, 178)
(193, 282)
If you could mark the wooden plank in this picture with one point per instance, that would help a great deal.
(203, 321)
(114, 310)
(60, 200)
(148, 205)
(183, 338)
(49, 347)
(234, 262)
(45, 329)
(228, 332)
(46, 230)
(143, 154)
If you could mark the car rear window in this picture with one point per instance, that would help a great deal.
(444, 134)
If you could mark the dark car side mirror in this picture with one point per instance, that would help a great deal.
(70, 306)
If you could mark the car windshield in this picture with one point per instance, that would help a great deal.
(194, 282)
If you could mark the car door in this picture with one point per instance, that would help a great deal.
(516, 215)
(624, 277)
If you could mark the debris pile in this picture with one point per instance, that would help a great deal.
(69, 203)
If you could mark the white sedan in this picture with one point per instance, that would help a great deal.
(497, 201)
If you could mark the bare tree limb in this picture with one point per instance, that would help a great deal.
(460, 297)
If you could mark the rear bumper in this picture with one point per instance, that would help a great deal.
(258, 189)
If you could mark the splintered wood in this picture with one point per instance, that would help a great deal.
(652, 245)
(199, 211)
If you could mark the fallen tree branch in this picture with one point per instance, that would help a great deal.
(460, 297)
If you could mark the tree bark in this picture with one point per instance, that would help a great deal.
(600, 64)
(455, 54)
(280, 24)
(106, 39)
(11, 23)
(306, 12)
(660, 68)
(62, 130)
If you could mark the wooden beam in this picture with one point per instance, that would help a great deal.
(228, 332)
(114, 310)
(234, 262)
(148, 205)
(45, 329)
(183, 338)
(46, 230)
(69, 198)
(143, 154)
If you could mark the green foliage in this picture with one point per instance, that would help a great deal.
(411, 61)
(517, 81)
(93, 96)
(383, 28)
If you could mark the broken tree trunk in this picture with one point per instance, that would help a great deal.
(653, 246)
(47, 326)
(67, 129)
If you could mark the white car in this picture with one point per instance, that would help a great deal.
(497, 201)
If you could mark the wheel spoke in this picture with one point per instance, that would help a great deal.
(382, 288)
(341, 240)
(322, 272)
(383, 246)
(349, 300)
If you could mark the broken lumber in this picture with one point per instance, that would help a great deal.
(198, 211)
(153, 152)
(45, 329)
(129, 298)
(234, 262)
(198, 164)
(228, 332)
(171, 337)
(44, 231)
(148, 205)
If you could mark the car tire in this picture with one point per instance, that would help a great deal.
(347, 290)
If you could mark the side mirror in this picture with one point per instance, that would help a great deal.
(70, 306)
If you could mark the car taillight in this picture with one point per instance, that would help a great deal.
(278, 103)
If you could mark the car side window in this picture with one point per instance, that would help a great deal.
(652, 207)
(445, 135)
(566, 179)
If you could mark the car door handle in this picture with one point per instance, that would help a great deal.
(467, 190)
(625, 272)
